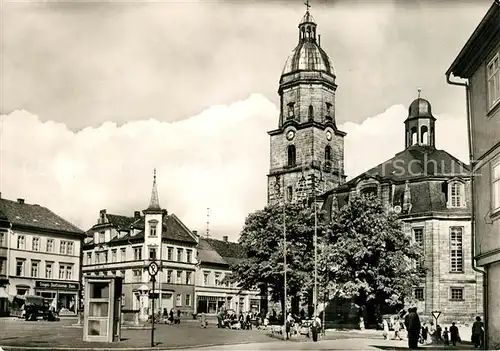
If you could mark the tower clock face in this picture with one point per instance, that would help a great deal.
(290, 135)
(329, 135)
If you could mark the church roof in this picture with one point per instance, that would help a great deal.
(308, 56)
(415, 162)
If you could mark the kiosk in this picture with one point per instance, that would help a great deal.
(102, 309)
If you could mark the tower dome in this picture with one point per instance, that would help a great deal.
(308, 55)
(419, 108)
(420, 124)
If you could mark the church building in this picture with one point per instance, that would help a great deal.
(307, 149)
(429, 189)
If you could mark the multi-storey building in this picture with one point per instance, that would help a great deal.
(124, 246)
(307, 145)
(429, 188)
(39, 254)
(479, 63)
(214, 288)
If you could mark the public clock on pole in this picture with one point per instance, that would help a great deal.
(290, 135)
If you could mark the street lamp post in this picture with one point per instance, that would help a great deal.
(277, 187)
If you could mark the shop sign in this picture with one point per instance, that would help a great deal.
(40, 284)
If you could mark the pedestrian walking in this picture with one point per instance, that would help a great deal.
(446, 337)
(412, 324)
(203, 319)
(477, 337)
(385, 327)
(454, 334)
(315, 327)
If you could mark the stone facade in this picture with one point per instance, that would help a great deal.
(307, 149)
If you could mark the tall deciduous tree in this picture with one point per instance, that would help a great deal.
(262, 237)
(366, 256)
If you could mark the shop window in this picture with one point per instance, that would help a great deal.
(22, 291)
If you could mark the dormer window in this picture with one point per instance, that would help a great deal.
(291, 112)
(456, 193)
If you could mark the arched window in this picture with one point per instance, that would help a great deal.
(291, 156)
(424, 135)
(303, 34)
(308, 31)
(328, 155)
(414, 136)
(369, 191)
(311, 112)
(456, 195)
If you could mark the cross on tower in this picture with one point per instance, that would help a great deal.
(419, 90)
(307, 5)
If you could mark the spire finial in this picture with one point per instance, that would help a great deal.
(307, 5)
(154, 203)
(419, 91)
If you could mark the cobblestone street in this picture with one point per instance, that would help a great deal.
(18, 334)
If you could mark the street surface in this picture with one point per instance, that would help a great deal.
(188, 335)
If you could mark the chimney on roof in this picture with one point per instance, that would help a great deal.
(137, 214)
(224, 238)
(195, 232)
(20, 201)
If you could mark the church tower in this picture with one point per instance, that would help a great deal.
(419, 126)
(307, 149)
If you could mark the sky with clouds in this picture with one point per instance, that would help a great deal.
(95, 95)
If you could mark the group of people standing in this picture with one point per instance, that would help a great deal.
(418, 333)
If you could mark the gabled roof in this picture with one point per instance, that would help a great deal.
(220, 252)
(36, 217)
(484, 37)
(415, 162)
(120, 222)
(172, 228)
